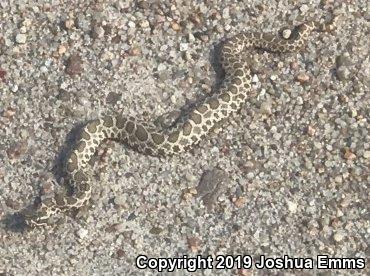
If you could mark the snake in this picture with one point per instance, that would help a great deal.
(187, 131)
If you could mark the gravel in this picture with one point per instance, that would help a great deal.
(294, 161)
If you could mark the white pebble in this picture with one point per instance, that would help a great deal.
(292, 206)
(190, 177)
(338, 237)
(144, 24)
(23, 30)
(287, 33)
(120, 200)
(131, 24)
(266, 108)
(191, 37)
(161, 67)
(15, 88)
(304, 8)
(21, 38)
(367, 154)
(82, 233)
(214, 150)
(255, 79)
(184, 47)
(225, 13)
(43, 69)
(27, 22)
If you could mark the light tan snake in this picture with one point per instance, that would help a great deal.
(187, 132)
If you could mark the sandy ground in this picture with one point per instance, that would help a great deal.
(289, 175)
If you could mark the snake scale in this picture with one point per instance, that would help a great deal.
(187, 131)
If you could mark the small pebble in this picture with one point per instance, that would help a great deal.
(225, 13)
(74, 65)
(255, 79)
(131, 24)
(184, 47)
(120, 253)
(292, 206)
(194, 244)
(144, 24)
(266, 108)
(304, 8)
(294, 66)
(69, 23)
(135, 51)
(82, 233)
(287, 33)
(23, 30)
(120, 200)
(338, 237)
(348, 154)
(343, 73)
(43, 69)
(98, 32)
(21, 38)
(15, 88)
(62, 49)
(161, 67)
(8, 113)
(175, 26)
(311, 130)
(190, 177)
(367, 154)
(343, 60)
(191, 37)
(303, 78)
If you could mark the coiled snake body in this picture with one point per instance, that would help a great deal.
(188, 131)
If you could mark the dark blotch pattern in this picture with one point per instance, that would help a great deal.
(213, 103)
(85, 135)
(92, 126)
(196, 118)
(186, 129)
(173, 137)
(237, 81)
(72, 163)
(176, 148)
(81, 146)
(80, 177)
(202, 108)
(141, 133)
(225, 97)
(108, 121)
(130, 126)
(120, 122)
(157, 138)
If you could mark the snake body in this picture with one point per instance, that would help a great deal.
(187, 132)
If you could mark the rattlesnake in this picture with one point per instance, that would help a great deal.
(188, 130)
